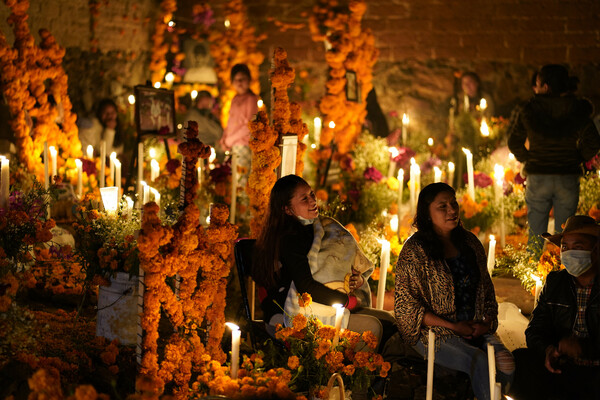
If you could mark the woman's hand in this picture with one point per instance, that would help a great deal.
(356, 280)
(463, 328)
(480, 328)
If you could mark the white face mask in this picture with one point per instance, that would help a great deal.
(577, 262)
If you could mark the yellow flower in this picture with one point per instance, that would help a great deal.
(299, 322)
(293, 362)
(369, 338)
(304, 299)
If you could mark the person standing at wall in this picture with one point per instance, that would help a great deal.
(561, 136)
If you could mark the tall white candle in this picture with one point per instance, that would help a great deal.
(235, 349)
(112, 158)
(54, 156)
(470, 173)
(318, 126)
(154, 170)
(90, 152)
(498, 392)
(451, 168)
(437, 175)
(491, 255)
(417, 183)
(339, 313)
(412, 185)
(492, 368)
(430, 361)
(400, 189)
(118, 174)
(140, 177)
(46, 167)
(394, 152)
(79, 178)
(156, 196)
(102, 173)
(538, 289)
(405, 121)
(234, 183)
(5, 182)
(499, 179)
(145, 193)
(129, 203)
(199, 172)
(383, 266)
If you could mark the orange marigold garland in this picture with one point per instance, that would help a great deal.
(184, 249)
(25, 70)
(235, 45)
(351, 49)
(158, 62)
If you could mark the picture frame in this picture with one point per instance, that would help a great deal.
(154, 111)
(352, 87)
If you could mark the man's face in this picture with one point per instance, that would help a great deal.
(577, 241)
(205, 103)
(540, 88)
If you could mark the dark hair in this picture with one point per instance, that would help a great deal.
(556, 77)
(426, 235)
(240, 68)
(102, 105)
(277, 222)
(203, 94)
(472, 75)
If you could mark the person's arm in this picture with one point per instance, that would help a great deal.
(517, 135)
(589, 141)
(293, 256)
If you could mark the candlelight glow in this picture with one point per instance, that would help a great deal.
(171, 23)
(313, 146)
(337, 306)
(499, 174)
(152, 153)
(317, 122)
(484, 129)
(482, 104)
(169, 77)
(451, 166)
(156, 85)
(194, 94)
(466, 151)
(511, 156)
(492, 237)
(394, 223)
(260, 103)
(78, 163)
(90, 151)
(405, 119)
(179, 126)
(232, 326)
(331, 124)
(227, 23)
(213, 155)
(413, 162)
(430, 142)
(131, 99)
(110, 199)
(394, 152)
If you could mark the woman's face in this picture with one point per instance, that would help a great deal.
(443, 212)
(469, 86)
(240, 83)
(303, 203)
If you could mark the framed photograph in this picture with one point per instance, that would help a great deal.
(352, 88)
(198, 65)
(154, 111)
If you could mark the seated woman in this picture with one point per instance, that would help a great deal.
(442, 284)
(300, 252)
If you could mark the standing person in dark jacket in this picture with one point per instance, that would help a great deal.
(562, 360)
(553, 134)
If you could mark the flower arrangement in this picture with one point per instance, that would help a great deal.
(589, 195)
(158, 61)
(34, 104)
(312, 357)
(235, 45)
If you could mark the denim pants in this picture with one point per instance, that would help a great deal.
(544, 192)
(457, 354)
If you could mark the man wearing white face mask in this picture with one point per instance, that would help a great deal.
(562, 360)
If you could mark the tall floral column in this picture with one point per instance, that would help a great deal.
(158, 61)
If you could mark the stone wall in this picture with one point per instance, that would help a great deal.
(422, 44)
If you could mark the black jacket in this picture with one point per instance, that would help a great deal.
(554, 316)
(561, 134)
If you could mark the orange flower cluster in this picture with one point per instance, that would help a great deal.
(26, 69)
(352, 49)
(10, 285)
(158, 61)
(186, 250)
(235, 45)
(470, 207)
(191, 149)
(45, 385)
(549, 261)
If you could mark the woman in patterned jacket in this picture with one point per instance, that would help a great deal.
(442, 284)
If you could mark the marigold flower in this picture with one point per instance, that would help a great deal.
(293, 362)
(304, 299)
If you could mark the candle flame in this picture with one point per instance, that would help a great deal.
(313, 146)
(484, 129)
(232, 326)
(430, 142)
(337, 305)
(156, 85)
(331, 124)
(401, 175)
(483, 104)
(451, 166)
(169, 77)
(78, 163)
(260, 103)
(394, 152)
(317, 122)
(492, 238)
(412, 161)
(466, 151)
(394, 223)
(405, 119)
(152, 153)
(194, 94)
(131, 99)
(227, 23)
(499, 173)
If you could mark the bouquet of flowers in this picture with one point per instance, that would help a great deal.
(106, 243)
(313, 357)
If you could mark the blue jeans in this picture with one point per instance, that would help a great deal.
(544, 192)
(457, 354)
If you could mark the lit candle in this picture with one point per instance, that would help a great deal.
(140, 178)
(437, 175)
(145, 193)
(484, 129)
(482, 104)
(102, 173)
(394, 152)
(451, 173)
(154, 170)
(412, 185)
(90, 152)
(430, 142)
(383, 266)
(46, 167)
(129, 205)
(331, 124)
(199, 172)
(492, 369)
(430, 361)
(470, 174)
(394, 223)
(499, 178)
(400, 189)
(339, 314)
(194, 94)
(111, 164)
(118, 174)
(79, 182)
(5, 182)
(110, 199)
(317, 125)
(405, 121)
(234, 178)
(54, 155)
(491, 255)
(538, 289)
(156, 196)
(235, 348)
(466, 104)
(260, 103)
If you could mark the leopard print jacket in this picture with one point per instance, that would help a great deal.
(424, 284)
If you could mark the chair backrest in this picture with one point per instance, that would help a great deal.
(243, 260)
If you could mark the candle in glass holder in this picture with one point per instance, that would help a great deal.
(110, 199)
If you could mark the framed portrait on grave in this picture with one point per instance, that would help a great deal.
(198, 65)
(154, 111)
(352, 87)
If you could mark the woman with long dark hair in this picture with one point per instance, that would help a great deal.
(299, 252)
(442, 284)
